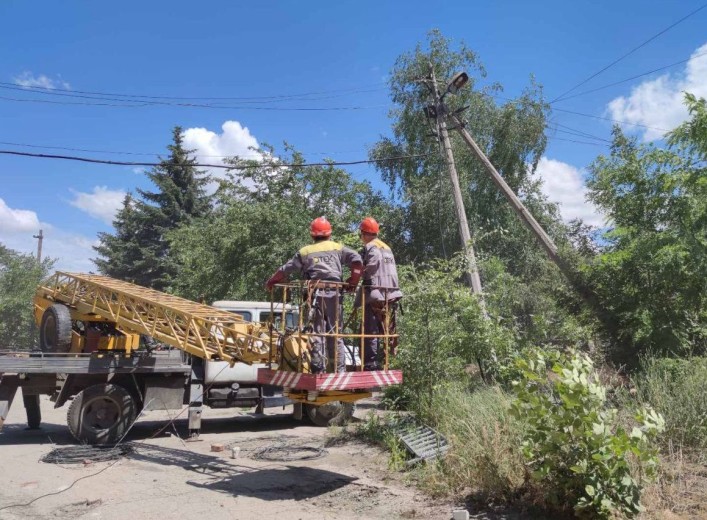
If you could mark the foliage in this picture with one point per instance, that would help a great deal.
(511, 134)
(484, 440)
(139, 249)
(20, 275)
(652, 274)
(260, 221)
(442, 332)
(677, 388)
(576, 452)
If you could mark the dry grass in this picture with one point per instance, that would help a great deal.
(681, 489)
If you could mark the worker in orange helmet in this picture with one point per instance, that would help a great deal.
(382, 292)
(323, 260)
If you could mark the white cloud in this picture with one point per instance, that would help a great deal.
(17, 220)
(564, 184)
(211, 147)
(102, 203)
(17, 229)
(658, 103)
(27, 79)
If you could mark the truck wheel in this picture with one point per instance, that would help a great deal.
(101, 414)
(34, 414)
(55, 329)
(334, 413)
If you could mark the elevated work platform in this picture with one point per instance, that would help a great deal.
(358, 380)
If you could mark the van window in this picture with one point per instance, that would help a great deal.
(291, 319)
(247, 316)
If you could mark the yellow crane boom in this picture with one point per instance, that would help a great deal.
(197, 329)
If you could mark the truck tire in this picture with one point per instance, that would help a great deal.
(101, 414)
(34, 414)
(55, 329)
(334, 413)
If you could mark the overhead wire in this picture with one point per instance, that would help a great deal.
(141, 104)
(624, 56)
(116, 152)
(33, 88)
(219, 166)
(585, 92)
(609, 119)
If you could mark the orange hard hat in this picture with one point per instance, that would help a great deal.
(369, 225)
(320, 228)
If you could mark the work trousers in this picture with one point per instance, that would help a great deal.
(323, 348)
(374, 323)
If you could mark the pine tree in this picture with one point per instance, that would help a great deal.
(138, 251)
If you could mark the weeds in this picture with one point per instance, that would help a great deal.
(484, 443)
(677, 388)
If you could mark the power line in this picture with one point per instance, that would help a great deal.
(152, 154)
(573, 131)
(188, 105)
(151, 100)
(277, 97)
(220, 166)
(628, 53)
(609, 119)
(575, 141)
(586, 115)
(631, 78)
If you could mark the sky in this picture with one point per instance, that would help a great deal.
(294, 55)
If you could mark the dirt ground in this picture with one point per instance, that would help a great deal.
(166, 477)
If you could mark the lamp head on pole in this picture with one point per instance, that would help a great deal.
(458, 81)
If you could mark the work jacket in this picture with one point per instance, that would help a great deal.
(323, 260)
(380, 272)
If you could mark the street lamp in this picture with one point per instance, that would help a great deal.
(458, 81)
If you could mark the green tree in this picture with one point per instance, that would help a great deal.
(652, 274)
(538, 301)
(262, 218)
(20, 275)
(512, 134)
(138, 251)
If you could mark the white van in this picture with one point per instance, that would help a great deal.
(219, 371)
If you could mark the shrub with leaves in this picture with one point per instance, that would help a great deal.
(576, 453)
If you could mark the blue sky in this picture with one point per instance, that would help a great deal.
(234, 49)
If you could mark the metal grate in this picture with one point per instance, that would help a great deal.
(423, 442)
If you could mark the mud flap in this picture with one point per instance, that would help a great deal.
(8, 389)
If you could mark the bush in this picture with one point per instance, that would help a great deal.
(577, 454)
(677, 388)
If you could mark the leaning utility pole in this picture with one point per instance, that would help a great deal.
(472, 272)
(527, 218)
(39, 238)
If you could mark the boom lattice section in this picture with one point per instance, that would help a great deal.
(198, 329)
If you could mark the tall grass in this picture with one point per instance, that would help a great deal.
(677, 388)
(485, 441)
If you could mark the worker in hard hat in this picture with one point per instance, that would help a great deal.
(323, 261)
(382, 292)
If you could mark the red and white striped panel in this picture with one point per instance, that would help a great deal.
(322, 382)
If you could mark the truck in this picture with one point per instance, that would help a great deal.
(111, 350)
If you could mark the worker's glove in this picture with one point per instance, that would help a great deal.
(351, 284)
(356, 272)
(276, 278)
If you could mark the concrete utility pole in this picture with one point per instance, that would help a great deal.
(39, 238)
(472, 273)
(545, 241)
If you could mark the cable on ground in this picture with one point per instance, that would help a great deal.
(86, 454)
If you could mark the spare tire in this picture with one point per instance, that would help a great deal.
(55, 329)
(101, 414)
